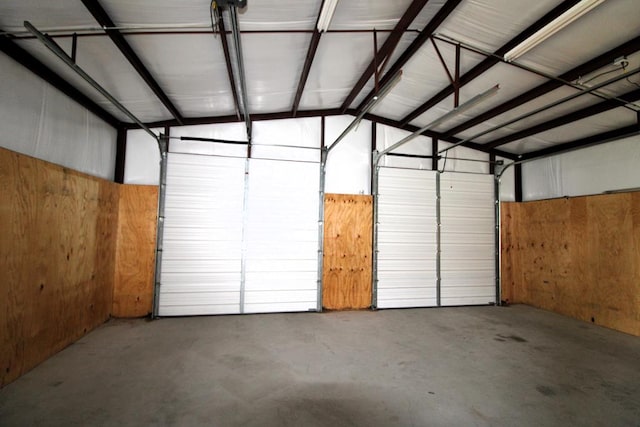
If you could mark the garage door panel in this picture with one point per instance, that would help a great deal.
(406, 238)
(200, 309)
(277, 281)
(419, 251)
(239, 243)
(200, 300)
(201, 258)
(282, 307)
(409, 279)
(202, 250)
(460, 252)
(194, 280)
(467, 239)
(201, 265)
(262, 250)
(282, 236)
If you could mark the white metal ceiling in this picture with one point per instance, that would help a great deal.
(191, 68)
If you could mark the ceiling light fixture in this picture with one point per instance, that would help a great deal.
(551, 28)
(326, 14)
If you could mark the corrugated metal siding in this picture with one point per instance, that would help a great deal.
(201, 262)
(467, 239)
(282, 236)
(406, 238)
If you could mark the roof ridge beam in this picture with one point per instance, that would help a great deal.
(386, 50)
(422, 38)
(100, 15)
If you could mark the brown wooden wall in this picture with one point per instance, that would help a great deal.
(135, 254)
(347, 251)
(57, 249)
(579, 257)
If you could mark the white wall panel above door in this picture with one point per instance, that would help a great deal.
(467, 239)
(406, 238)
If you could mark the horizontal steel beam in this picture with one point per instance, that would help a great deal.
(583, 113)
(189, 121)
(590, 66)
(67, 60)
(308, 62)
(434, 134)
(589, 141)
(414, 47)
(387, 48)
(118, 39)
(489, 62)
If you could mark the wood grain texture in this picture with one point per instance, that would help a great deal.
(347, 265)
(135, 252)
(579, 257)
(57, 248)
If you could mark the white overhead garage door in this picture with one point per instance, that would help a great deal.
(407, 263)
(406, 238)
(236, 243)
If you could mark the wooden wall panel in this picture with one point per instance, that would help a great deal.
(579, 257)
(347, 252)
(57, 248)
(135, 253)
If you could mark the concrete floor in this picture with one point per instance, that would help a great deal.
(514, 366)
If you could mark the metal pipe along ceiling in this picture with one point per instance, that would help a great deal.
(235, 29)
(458, 110)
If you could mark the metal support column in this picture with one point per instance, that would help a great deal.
(517, 181)
(245, 220)
(438, 242)
(375, 158)
(321, 192)
(497, 239)
(163, 143)
(121, 154)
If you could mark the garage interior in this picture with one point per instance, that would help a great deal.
(320, 212)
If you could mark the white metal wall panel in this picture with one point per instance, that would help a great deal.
(201, 259)
(282, 236)
(467, 239)
(407, 228)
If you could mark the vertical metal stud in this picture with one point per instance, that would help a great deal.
(375, 159)
(321, 193)
(517, 178)
(438, 242)
(245, 220)
(121, 155)
(163, 143)
(497, 245)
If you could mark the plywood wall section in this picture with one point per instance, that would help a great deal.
(57, 251)
(347, 252)
(135, 253)
(579, 257)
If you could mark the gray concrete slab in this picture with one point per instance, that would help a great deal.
(515, 366)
